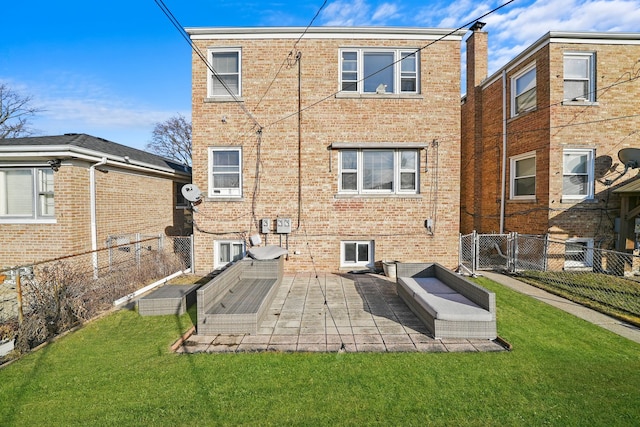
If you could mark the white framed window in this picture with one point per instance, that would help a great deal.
(382, 171)
(27, 194)
(523, 176)
(579, 76)
(578, 174)
(227, 80)
(228, 251)
(379, 71)
(354, 253)
(225, 172)
(578, 253)
(523, 91)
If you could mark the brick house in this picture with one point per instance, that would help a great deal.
(541, 136)
(49, 186)
(339, 144)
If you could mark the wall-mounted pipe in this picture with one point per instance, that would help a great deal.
(299, 59)
(504, 150)
(93, 208)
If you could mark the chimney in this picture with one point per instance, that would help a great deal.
(477, 56)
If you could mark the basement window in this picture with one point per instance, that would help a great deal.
(356, 253)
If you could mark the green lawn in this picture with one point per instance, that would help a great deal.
(119, 371)
(614, 296)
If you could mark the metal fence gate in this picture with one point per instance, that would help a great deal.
(503, 252)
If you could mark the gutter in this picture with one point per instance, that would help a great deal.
(92, 208)
(71, 151)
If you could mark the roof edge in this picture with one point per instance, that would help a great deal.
(563, 37)
(322, 32)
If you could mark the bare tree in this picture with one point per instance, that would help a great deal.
(172, 139)
(15, 113)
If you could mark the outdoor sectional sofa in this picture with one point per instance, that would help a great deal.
(450, 305)
(236, 300)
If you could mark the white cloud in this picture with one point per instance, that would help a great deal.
(513, 29)
(71, 103)
(346, 13)
(385, 12)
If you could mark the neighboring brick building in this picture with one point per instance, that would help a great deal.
(46, 202)
(367, 171)
(563, 109)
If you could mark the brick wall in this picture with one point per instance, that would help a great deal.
(607, 127)
(323, 219)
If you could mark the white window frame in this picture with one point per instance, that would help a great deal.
(225, 192)
(400, 57)
(591, 77)
(587, 261)
(515, 94)
(217, 262)
(590, 153)
(369, 262)
(514, 178)
(37, 193)
(210, 76)
(398, 170)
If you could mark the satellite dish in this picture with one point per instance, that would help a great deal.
(630, 157)
(191, 193)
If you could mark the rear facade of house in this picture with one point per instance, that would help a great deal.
(541, 137)
(342, 145)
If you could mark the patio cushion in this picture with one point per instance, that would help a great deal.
(433, 285)
(267, 252)
(452, 307)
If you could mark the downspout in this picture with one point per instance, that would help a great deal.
(94, 227)
(504, 149)
(299, 58)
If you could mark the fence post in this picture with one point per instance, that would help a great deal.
(459, 250)
(192, 253)
(514, 263)
(475, 253)
(19, 296)
(137, 248)
(546, 252)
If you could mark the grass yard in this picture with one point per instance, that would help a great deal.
(611, 295)
(119, 371)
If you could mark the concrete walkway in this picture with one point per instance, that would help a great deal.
(614, 325)
(337, 312)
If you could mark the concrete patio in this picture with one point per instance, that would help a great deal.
(337, 312)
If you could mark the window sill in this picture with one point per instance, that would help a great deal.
(349, 95)
(523, 114)
(27, 221)
(223, 199)
(377, 196)
(580, 103)
(516, 201)
(216, 99)
(578, 200)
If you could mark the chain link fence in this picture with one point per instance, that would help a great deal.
(604, 280)
(46, 298)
